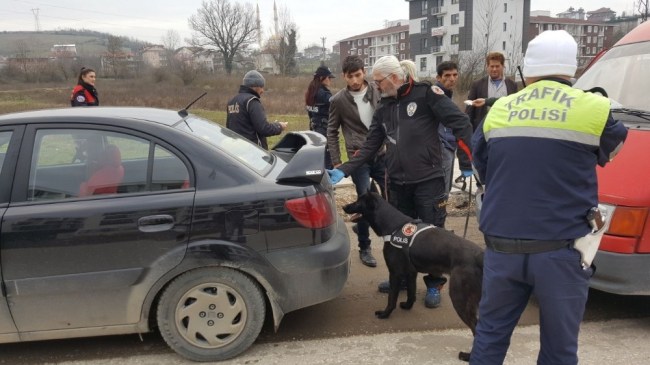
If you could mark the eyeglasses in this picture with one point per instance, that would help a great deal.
(378, 82)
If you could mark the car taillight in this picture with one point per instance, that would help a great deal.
(628, 222)
(314, 211)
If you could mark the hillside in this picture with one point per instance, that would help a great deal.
(89, 43)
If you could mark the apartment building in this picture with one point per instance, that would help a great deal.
(392, 40)
(591, 36)
(465, 31)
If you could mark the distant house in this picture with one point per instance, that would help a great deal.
(572, 13)
(601, 15)
(154, 56)
(118, 64)
(313, 52)
(60, 51)
(198, 57)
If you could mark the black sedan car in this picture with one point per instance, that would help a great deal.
(123, 220)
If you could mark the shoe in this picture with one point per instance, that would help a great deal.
(366, 257)
(432, 300)
(384, 286)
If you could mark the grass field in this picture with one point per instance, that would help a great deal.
(283, 99)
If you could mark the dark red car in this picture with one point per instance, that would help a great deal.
(623, 261)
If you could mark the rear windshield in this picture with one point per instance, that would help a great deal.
(229, 142)
(623, 73)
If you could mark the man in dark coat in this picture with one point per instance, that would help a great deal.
(246, 115)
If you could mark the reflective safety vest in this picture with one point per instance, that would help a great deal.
(548, 109)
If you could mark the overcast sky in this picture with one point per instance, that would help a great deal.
(149, 20)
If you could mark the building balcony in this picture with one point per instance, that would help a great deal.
(437, 49)
(438, 32)
(438, 10)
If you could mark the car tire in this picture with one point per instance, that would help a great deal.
(211, 314)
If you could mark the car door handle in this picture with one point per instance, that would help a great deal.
(156, 223)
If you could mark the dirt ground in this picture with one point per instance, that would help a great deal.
(353, 311)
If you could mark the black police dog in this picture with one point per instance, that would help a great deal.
(435, 251)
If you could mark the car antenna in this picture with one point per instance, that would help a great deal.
(183, 112)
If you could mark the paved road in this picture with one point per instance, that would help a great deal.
(345, 331)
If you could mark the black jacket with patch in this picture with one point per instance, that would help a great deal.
(408, 124)
(246, 116)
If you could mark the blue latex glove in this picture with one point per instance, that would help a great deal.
(335, 175)
(467, 173)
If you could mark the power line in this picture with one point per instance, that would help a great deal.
(38, 22)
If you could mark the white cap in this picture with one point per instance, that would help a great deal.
(552, 52)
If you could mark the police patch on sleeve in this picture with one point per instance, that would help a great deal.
(437, 90)
(81, 99)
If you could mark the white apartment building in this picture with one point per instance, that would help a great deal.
(465, 31)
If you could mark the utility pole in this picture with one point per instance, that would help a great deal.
(323, 56)
(36, 20)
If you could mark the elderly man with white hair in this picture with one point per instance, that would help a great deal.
(408, 120)
(536, 151)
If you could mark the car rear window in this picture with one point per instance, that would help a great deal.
(230, 142)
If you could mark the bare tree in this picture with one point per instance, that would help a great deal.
(114, 54)
(171, 40)
(644, 8)
(22, 51)
(472, 63)
(228, 27)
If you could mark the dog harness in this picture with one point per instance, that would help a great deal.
(403, 237)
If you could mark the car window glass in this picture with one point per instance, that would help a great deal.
(169, 172)
(69, 163)
(76, 163)
(625, 85)
(230, 142)
(5, 137)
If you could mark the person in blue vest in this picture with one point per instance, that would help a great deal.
(536, 151)
(85, 93)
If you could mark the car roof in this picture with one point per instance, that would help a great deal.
(639, 34)
(161, 116)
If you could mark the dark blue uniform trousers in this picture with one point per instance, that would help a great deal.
(560, 285)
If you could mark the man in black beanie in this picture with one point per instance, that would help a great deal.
(246, 115)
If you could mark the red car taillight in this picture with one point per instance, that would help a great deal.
(314, 211)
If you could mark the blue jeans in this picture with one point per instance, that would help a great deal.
(560, 285)
(374, 170)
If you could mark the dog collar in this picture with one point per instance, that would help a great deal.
(403, 237)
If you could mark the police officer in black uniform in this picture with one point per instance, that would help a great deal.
(317, 103)
(246, 115)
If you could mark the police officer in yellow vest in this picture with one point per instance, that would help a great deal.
(536, 152)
